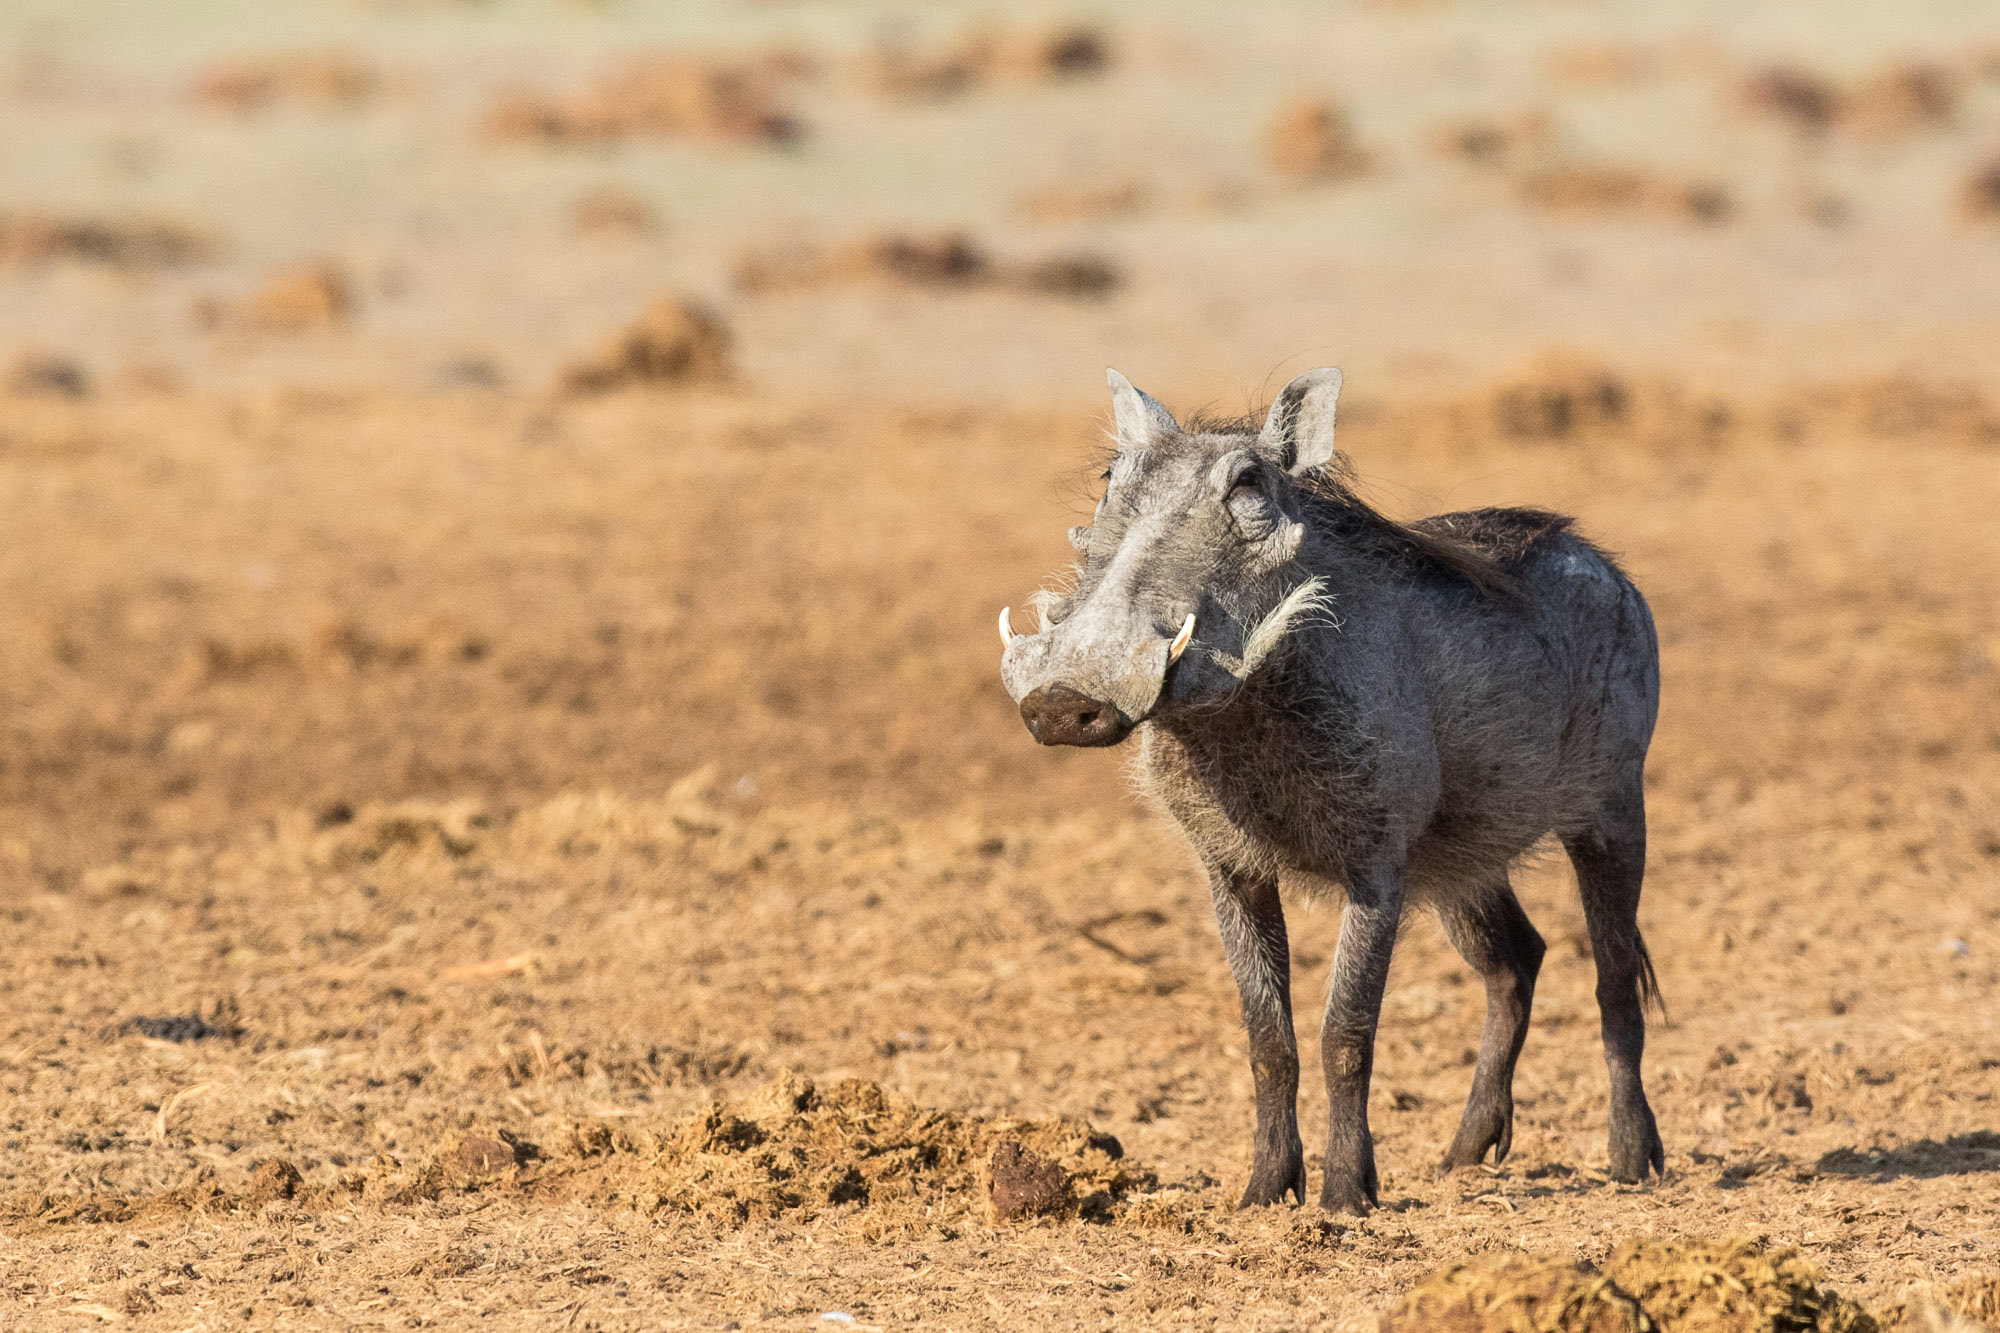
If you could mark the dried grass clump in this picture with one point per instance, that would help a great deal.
(677, 341)
(732, 101)
(1313, 141)
(941, 259)
(1729, 1286)
(1583, 188)
(314, 78)
(1516, 1294)
(27, 239)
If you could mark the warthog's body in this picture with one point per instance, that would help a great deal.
(1400, 711)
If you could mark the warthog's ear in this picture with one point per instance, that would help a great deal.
(1299, 431)
(1141, 419)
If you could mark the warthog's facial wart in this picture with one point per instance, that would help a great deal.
(1188, 580)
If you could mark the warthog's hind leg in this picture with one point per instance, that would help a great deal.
(1610, 861)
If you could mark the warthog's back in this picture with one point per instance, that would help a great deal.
(1539, 692)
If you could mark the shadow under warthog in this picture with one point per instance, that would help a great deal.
(1960, 1155)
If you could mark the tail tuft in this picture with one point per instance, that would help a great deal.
(1649, 982)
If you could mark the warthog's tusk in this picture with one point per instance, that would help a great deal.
(1006, 626)
(1181, 640)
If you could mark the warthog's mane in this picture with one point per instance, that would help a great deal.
(1475, 547)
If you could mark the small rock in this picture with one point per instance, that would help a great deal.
(275, 1179)
(1026, 1184)
(483, 1156)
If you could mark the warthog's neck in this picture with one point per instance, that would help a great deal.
(1271, 778)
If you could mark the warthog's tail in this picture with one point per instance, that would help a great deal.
(1649, 981)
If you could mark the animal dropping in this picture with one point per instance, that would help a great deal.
(1391, 711)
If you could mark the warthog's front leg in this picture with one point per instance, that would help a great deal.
(1252, 921)
(1347, 1039)
(1491, 932)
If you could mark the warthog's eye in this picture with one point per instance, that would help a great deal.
(1249, 506)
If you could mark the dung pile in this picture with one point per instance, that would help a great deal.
(800, 1150)
(1680, 1286)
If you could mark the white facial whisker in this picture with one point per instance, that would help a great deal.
(1309, 598)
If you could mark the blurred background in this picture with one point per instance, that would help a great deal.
(437, 196)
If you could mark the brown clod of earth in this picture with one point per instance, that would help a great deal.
(1732, 1286)
(1911, 98)
(943, 259)
(1492, 142)
(275, 1179)
(676, 96)
(483, 1156)
(1023, 1183)
(801, 1149)
(1313, 141)
(46, 375)
(1127, 196)
(612, 211)
(1086, 276)
(294, 300)
(1980, 197)
(1595, 188)
(677, 341)
(1901, 99)
(1558, 396)
(1805, 99)
(918, 72)
(311, 78)
(119, 244)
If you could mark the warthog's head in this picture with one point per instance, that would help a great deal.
(1189, 576)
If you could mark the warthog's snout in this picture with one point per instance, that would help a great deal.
(1059, 715)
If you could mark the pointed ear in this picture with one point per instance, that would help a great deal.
(1140, 418)
(1299, 431)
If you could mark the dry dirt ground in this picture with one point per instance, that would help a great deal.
(499, 773)
(570, 850)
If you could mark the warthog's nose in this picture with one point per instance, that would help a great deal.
(1059, 715)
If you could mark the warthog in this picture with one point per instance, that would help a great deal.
(1402, 710)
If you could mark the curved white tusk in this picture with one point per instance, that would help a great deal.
(1181, 640)
(1006, 626)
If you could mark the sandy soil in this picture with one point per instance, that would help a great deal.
(614, 889)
